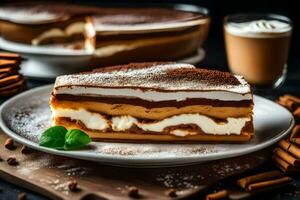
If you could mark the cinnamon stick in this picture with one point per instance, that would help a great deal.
(282, 164)
(286, 156)
(287, 104)
(289, 101)
(296, 113)
(284, 104)
(295, 135)
(269, 184)
(293, 98)
(9, 56)
(287, 146)
(222, 194)
(244, 182)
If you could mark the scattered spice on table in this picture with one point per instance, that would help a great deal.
(25, 150)
(171, 192)
(133, 192)
(73, 186)
(9, 144)
(221, 194)
(12, 161)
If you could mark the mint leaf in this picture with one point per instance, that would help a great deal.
(54, 137)
(58, 137)
(75, 139)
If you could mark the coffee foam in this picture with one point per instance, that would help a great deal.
(259, 29)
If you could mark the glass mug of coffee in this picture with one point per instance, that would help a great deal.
(257, 47)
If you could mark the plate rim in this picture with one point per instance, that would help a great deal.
(41, 50)
(119, 160)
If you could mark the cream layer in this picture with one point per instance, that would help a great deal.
(74, 28)
(96, 121)
(151, 95)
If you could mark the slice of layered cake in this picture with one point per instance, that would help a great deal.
(155, 102)
(115, 35)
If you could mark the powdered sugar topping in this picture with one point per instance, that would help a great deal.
(168, 77)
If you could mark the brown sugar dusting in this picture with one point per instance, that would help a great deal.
(204, 75)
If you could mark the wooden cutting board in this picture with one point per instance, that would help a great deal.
(49, 175)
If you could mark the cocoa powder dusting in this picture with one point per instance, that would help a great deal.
(209, 76)
(161, 76)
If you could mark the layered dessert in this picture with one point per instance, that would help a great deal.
(145, 34)
(43, 23)
(116, 35)
(160, 102)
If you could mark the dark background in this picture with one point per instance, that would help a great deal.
(214, 46)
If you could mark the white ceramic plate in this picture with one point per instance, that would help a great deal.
(26, 115)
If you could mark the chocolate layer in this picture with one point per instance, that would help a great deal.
(102, 38)
(152, 104)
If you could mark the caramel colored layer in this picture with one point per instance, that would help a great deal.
(135, 136)
(153, 113)
(104, 37)
(147, 49)
(137, 40)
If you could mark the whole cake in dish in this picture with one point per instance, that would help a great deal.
(115, 35)
(156, 101)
